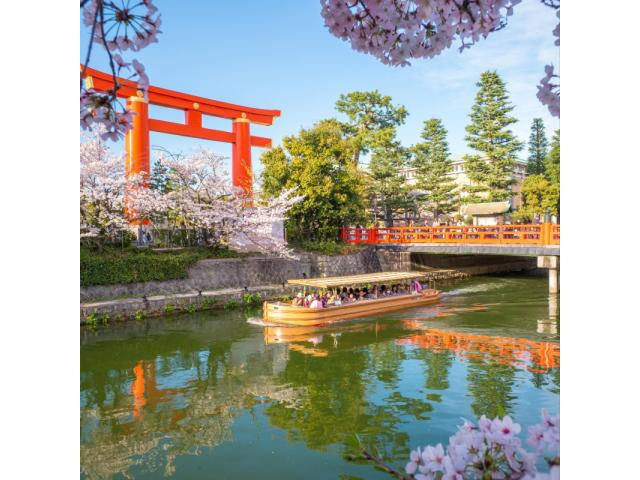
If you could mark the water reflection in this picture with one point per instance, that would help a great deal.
(155, 396)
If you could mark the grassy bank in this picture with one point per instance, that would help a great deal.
(131, 265)
(325, 248)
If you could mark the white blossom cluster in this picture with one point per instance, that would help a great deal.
(490, 449)
(117, 27)
(102, 189)
(396, 30)
(200, 196)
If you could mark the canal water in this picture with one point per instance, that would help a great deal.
(211, 395)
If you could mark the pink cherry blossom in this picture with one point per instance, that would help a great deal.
(433, 458)
(490, 450)
(396, 31)
(504, 430)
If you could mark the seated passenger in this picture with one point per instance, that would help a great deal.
(316, 302)
(298, 301)
(337, 300)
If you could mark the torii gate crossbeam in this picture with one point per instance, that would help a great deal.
(137, 139)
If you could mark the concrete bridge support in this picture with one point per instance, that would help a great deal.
(552, 263)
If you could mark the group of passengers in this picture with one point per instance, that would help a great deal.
(334, 297)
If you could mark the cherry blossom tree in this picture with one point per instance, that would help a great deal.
(395, 31)
(200, 197)
(102, 189)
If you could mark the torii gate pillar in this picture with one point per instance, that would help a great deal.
(241, 172)
(194, 107)
(137, 156)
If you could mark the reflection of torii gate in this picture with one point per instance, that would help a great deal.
(137, 139)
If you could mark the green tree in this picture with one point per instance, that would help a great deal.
(432, 162)
(540, 195)
(372, 119)
(552, 170)
(552, 162)
(318, 161)
(387, 185)
(538, 147)
(491, 170)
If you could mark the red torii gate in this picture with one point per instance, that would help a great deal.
(137, 158)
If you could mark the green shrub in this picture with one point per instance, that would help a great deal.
(231, 304)
(326, 248)
(104, 319)
(131, 265)
(169, 308)
(252, 299)
(139, 315)
(283, 298)
(92, 320)
(191, 308)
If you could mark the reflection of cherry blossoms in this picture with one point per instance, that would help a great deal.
(490, 449)
(197, 195)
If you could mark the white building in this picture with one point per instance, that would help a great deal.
(458, 174)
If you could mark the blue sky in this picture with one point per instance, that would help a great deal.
(279, 55)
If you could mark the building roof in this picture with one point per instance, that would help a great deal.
(488, 208)
(380, 277)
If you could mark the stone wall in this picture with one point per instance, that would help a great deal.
(155, 305)
(212, 274)
(214, 282)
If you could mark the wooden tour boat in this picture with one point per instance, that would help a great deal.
(286, 314)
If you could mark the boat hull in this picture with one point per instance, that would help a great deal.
(282, 314)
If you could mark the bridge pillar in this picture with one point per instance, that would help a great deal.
(552, 263)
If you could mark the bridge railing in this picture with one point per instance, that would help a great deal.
(539, 234)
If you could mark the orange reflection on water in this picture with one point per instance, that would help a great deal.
(145, 391)
(542, 356)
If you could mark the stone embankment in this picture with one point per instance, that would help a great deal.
(218, 282)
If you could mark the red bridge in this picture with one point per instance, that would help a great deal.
(545, 234)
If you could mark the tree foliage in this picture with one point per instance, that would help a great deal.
(541, 192)
(491, 169)
(432, 162)
(552, 162)
(372, 119)
(538, 147)
(540, 195)
(319, 162)
(387, 186)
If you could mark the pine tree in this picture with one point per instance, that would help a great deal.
(432, 162)
(372, 119)
(491, 170)
(552, 162)
(552, 168)
(538, 147)
(387, 187)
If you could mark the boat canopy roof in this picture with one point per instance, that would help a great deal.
(379, 277)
